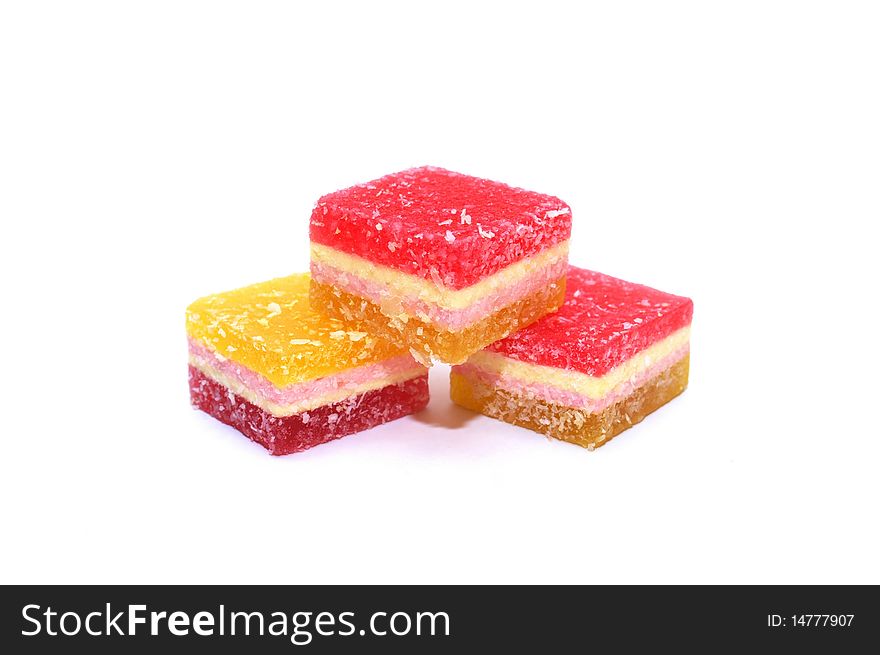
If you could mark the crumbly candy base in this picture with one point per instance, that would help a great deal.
(428, 343)
(291, 434)
(576, 426)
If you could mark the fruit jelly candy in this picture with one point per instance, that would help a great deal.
(613, 353)
(441, 262)
(277, 360)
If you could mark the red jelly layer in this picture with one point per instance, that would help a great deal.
(440, 225)
(291, 434)
(603, 322)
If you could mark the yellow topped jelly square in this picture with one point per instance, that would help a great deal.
(288, 378)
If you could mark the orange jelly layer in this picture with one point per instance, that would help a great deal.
(426, 342)
(270, 328)
(567, 423)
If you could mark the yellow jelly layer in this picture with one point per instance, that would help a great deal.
(577, 426)
(581, 383)
(270, 328)
(427, 343)
(406, 284)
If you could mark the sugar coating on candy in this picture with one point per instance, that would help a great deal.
(447, 227)
(291, 434)
(603, 322)
(271, 329)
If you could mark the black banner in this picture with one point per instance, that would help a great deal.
(435, 619)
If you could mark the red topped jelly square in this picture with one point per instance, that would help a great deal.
(443, 262)
(613, 353)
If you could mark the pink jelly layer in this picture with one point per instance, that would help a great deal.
(602, 323)
(429, 221)
(449, 319)
(569, 398)
(294, 394)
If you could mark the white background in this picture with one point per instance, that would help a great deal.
(151, 153)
